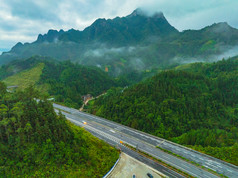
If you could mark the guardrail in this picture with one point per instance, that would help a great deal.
(109, 172)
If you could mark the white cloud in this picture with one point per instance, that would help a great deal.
(24, 20)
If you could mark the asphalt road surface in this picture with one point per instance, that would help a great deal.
(113, 133)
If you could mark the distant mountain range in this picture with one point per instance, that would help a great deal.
(135, 42)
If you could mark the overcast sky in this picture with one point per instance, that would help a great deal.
(23, 20)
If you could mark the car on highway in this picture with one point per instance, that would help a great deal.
(150, 175)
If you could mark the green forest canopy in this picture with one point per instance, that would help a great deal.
(34, 141)
(197, 106)
(65, 81)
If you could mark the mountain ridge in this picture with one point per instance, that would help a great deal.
(107, 43)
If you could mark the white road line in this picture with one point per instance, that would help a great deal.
(100, 132)
(149, 149)
(168, 173)
(166, 156)
(146, 151)
(173, 164)
(131, 144)
(185, 166)
(134, 146)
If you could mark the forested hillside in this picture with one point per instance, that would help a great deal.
(197, 106)
(65, 81)
(25, 78)
(35, 142)
(68, 82)
(18, 66)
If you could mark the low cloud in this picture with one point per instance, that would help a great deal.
(228, 51)
(99, 52)
(137, 63)
(122, 58)
(186, 60)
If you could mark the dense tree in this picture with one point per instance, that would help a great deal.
(35, 142)
(68, 82)
(65, 81)
(196, 105)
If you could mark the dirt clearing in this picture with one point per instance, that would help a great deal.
(128, 166)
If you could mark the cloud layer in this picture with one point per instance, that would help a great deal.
(24, 20)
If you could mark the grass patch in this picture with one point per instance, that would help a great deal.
(25, 78)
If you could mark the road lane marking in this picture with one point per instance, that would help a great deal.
(150, 149)
(112, 131)
(168, 173)
(140, 141)
(185, 166)
(131, 145)
(210, 168)
(168, 162)
(159, 158)
(100, 132)
(166, 156)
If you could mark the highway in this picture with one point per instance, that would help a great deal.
(116, 142)
(113, 133)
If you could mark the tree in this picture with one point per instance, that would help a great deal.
(28, 130)
(3, 89)
(3, 111)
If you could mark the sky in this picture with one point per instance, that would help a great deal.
(23, 20)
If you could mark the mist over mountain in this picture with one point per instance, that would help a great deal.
(135, 42)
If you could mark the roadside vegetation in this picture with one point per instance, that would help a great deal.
(35, 142)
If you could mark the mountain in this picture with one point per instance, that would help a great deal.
(207, 43)
(135, 42)
(195, 105)
(125, 31)
(74, 44)
(36, 142)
